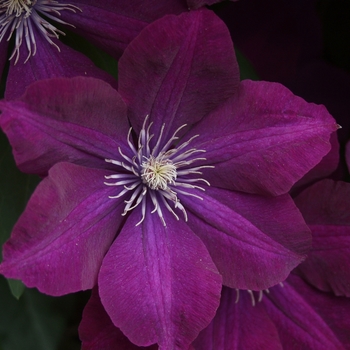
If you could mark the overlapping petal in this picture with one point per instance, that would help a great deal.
(119, 22)
(239, 325)
(308, 317)
(78, 120)
(295, 316)
(325, 207)
(48, 63)
(170, 73)
(59, 241)
(96, 330)
(158, 283)
(264, 139)
(254, 241)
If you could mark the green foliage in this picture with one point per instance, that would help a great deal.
(15, 190)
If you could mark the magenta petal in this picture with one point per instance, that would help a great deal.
(47, 63)
(119, 22)
(170, 71)
(61, 238)
(239, 325)
(264, 139)
(254, 241)
(326, 209)
(80, 120)
(97, 331)
(158, 284)
(307, 318)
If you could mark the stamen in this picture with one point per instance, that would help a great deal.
(24, 16)
(157, 173)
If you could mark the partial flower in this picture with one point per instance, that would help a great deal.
(166, 189)
(36, 25)
(288, 316)
(326, 209)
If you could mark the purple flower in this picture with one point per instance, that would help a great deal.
(108, 24)
(131, 207)
(287, 316)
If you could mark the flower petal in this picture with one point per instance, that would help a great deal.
(48, 63)
(170, 73)
(97, 331)
(61, 238)
(325, 207)
(119, 22)
(307, 317)
(81, 120)
(254, 241)
(239, 325)
(158, 283)
(263, 140)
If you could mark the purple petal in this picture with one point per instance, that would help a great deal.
(254, 241)
(325, 167)
(47, 63)
(97, 331)
(119, 22)
(347, 155)
(158, 284)
(80, 120)
(238, 325)
(325, 207)
(264, 139)
(307, 317)
(170, 73)
(61, 238)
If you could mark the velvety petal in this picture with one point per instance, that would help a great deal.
(47, 63)
(325, 167)
(326, 209)
(263, 140)
(347, 155)
(239, 325)
(61, 238)
(254, 241)
(307, 318)
(119, 22)
(97, 331)
(170, 73)
(158, 283)
(80, 120)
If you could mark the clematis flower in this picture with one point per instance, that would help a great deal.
(35, 26)
(126, 201)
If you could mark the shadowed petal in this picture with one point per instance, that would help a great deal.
(307, 317)
(61, 238)
(254, 241)
(119, 22)
(158, 283)
(170, 73)
(48, 63)
(325, 208)
(264, 139)
(239, 325)
(96, 330)
(80, 120)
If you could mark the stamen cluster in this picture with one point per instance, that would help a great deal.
(24, 17)
(161, 172)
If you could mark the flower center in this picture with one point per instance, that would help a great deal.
(160, 173)
(157, 173)
(24, 18)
